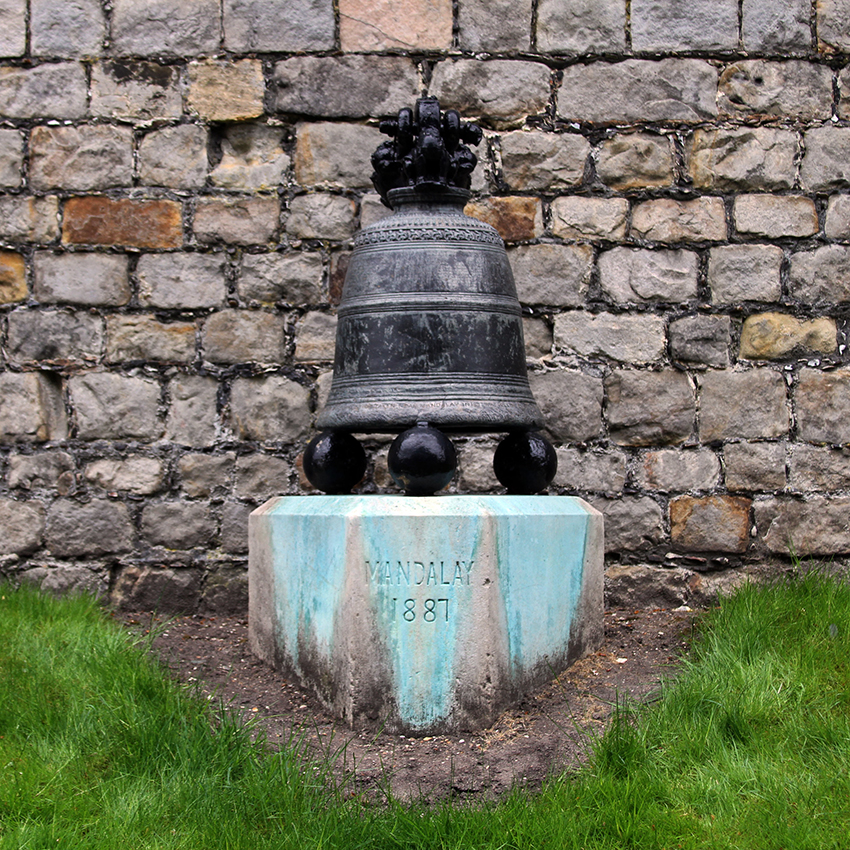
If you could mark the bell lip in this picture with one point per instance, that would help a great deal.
(432, 195)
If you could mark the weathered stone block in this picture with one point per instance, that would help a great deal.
(226, 590)
(822, 275)
(64, 579)
(52, 90)
(649, 408)
(344, 86)
(495, 25)
(675, 471)
(475, 467)
(130, 338)
(31, 408)
(181, 281)
(175, 157)
(92, 529)
(269, 409)
(632, 523)
(94, 156)
(844, 92)
(516, 218)
(623, 337)
(744, 273)
(43, 470)
(23, 526)
(244, 336)
(252, 158)
(776, 27)
(701, 25)
(92, 280)
(581, 26)
(192, 417)
(551, 274)
(669, 220)
(571, 403)
(771, 336)
(11, 158)
(501, 93)
(599, 471)
(334, 155)
(638, 91)
(157, 27)
(825, 165)
(258, 25)
(135, 91)
(113, 407)
(178, 525)
(377, 25)
(754, 466)
(290, 278)
(533, 161)
(823, 406)
(13, 277)
(576, 217)
(157, 588)
(135, 474)
(635, 161)
(70, 29)
(205, 476)
(637, 586)
(321, 216)
(630, 276)
(315, 336)
(96, 220)
(243, 221)
(775, 216)
(743, 405)
(710, 523)
(832, 24)
(816, 526)
(56, 336)
(837, 221)
(537, 334)
(13, 41)
(29, 219)
(234, 531)
(819, 468)
(701, 339)
(226, 91)
(261, 476)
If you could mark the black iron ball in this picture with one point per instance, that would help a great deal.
(525, 463)
(334, 462)
(422, 460)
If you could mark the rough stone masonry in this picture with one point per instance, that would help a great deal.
(180, 185)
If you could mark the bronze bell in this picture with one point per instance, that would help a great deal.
(430, 327)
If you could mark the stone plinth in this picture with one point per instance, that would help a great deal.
(424, 614)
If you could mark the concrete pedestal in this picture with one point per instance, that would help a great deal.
(425, 615)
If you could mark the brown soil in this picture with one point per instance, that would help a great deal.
(550, 730)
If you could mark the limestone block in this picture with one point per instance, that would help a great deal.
(29, 219)
(135, 474)
(700, 25)
(135, 90)
(701, 339)
(837, 221)
(377, 25)
(495, 25)
(517, 218)
(315, 337)
(632, 523)
(13, 41)
(744, 273)
(844, 92)
(353, 86)
(710, 523)
(321, 216)
(623, 337)
(766, 89)
(571, 404)
(637, 586)
(226, 91)
(271, 26)
(743, 405)
(181, 281)
(551, 274)
(134, 337)
(192, 417)
(639, 91)
(775, 216)
(70, 29)
(426, 618)
(31, 408)
(96, 220)
(244, 336)
(475, 467)
(776, 27)
(816, 526)
(243, 221)
(270, 409)
(771, 336)
(11, 158)
(669, 220)
(832, 24)
(252, 158)
(290, 278)
(43, 470)
(649, 408)
(753, 467)
(261, 476)
(161, 27)
(91, 529)
(819, 468)
(91, 280)
(175, 157)
(822, 275)
(204, 476)
(533, 161)
(334, 155)
(23, 526)
(501, 93)
(157, 588)
(178, 525)
(581, 26)
(372, 209)
(13, 277)
(675, 471)
(630, 276)
(576, 217)
(743, 158)
(824, 165)
(595, 470)
(537, 334)
(55, 336)
(823, 406)
(234, 532)
(635, 161)
(52, 90)
(94, 156)
(109, 406)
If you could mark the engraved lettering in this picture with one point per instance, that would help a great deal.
(443, 575)
(419, 571)
(403, 572)
(432, 573)
(468, 571)
(458, 579)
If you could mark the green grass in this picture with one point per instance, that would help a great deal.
(749, 748)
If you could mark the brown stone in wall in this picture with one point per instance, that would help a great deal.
(372, 25)
(516, 218)
(95, 220)
(710, 523)
(13, 280)
(222, 91)
(768, 336)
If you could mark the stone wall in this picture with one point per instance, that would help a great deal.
(180, 185)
